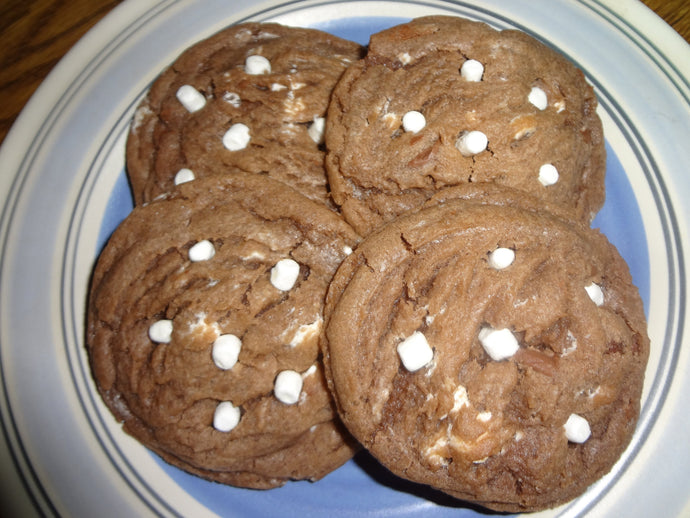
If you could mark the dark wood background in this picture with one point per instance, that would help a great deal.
(35, 34)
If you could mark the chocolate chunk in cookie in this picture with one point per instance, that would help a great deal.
(203, 325)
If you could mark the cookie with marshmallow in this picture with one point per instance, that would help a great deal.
(493, 352)
(252, 97)
(203, 326)
(442, 101)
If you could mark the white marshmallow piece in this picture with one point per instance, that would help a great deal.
(161, 331)
(472, 143)
(316, 129)
(413, 122)
(537, 97)
(548, 175)
(501, 258)
(499, 344)
(191, 98)
(595, 293)
(284, 274)
(472, 70)
(257, 65)
(226, 350)
(288, 386)
(202, 251)
(184, 175)
(237, 137)
(415, 352)
(577, 429)
(226, 417)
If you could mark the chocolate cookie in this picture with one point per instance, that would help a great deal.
(442, 101)
(253, 96)
(203, 324)
(492, 352)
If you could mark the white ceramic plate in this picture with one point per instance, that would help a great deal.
(64, 190)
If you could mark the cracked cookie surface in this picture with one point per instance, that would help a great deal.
(492, 352)
(251, 97)
(203, 324)
(409, 120)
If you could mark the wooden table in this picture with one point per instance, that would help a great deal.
(35, 34)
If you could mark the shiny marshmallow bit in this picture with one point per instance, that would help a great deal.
(537, 97)
(548, 175)
(499, 344)
(595, 293)
(316, 129)
(161, 331)
(257, 65)
(284, 274)
(226, 350)
(413, 122)
(202, 251)
(577, 429)
(415, 352)
(472, 70)
(288, 386)
(191, 98)
(226, 417)
(501, 258)
(237, 137)
(472, 143)
(184, 175)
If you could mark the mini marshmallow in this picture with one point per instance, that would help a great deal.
(415, 352)
(537, 97)
(191, 98)
(501, 258)
(288, 386)
(226, 350)
(595, 293)
(161, 331)
(237, 137)
(284, 274)
(500, 344)
(202, 251)
(577, 429)
(472, 70)
(184, 175)
(226, 417)
(316, 129)
(471, 143)
(257, 65)
(413, 122)
(548, 175)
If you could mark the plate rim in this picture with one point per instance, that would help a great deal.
(11, 185)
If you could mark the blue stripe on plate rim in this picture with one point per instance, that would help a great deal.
(72, 334)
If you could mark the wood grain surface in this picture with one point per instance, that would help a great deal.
(35, 34)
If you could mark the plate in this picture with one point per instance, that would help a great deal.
(64, 190)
